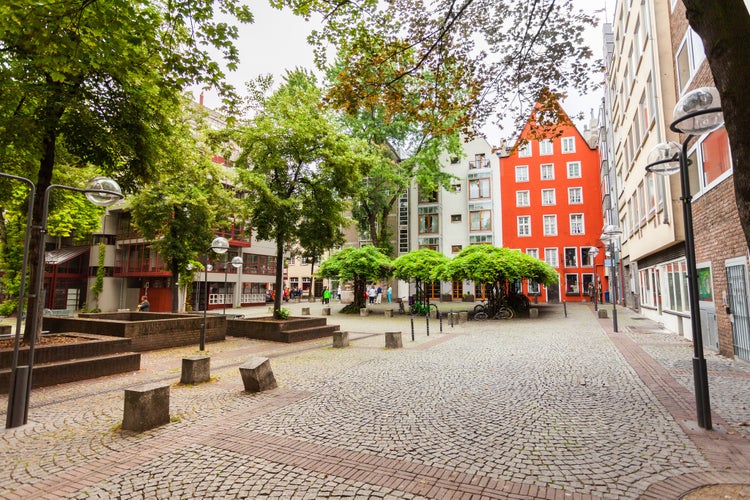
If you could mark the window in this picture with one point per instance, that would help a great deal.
(545, 147)
(456, 248)
(547, 171)
(480, 239)
(574, 169)
(479, 162)
(571, 257)
(533, 287)
(587, 258)
(550, 225)
(524, 151)
(480, 220)
(548, 197)
(455, 160)
(576, 224)
(456, 188)
(550, 256)
(568, 144)
(716, 157)
(428, 223)
(522, 173)
(456, 218)
(428, 196)
(532, 252)
(689, 57)
(522, 199)
(479, 188)
(571, 284)
(524, 225)
(575, 195)
(677, 286)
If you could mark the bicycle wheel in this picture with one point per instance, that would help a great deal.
(478, 308)
(481, 315)
(413, 309)
(504, 313)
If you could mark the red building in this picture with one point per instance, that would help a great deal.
(551, 206)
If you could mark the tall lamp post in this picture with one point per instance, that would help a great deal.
(220, 246)
(697, 113)
(101, 191)
(611, 235)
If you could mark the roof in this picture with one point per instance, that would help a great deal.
(56, 257)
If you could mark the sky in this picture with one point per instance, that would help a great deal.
(276, 42)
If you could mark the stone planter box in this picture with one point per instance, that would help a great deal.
(293, 329)
(468, 298)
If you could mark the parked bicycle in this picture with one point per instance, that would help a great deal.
(419, 308)
(485, 310)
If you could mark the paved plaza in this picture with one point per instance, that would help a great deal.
(553, 407)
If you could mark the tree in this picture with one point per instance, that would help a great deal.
(96, 80)
(294, 164)
(723, 26)
(496, 268)
(180, 211)
(420, 265)
(358, 265)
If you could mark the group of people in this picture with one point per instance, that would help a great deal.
(374, 293)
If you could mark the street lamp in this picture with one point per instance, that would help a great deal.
(697, 113)
(101, 191)
(220, 246)
(236, 263)
(610, 235)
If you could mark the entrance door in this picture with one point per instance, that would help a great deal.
(553, 293)
(738, 302)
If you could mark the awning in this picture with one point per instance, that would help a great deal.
(56, 257)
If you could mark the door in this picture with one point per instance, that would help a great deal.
(738, 303)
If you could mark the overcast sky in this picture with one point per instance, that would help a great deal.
(276, 42)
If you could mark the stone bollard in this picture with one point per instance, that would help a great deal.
(393, 340)
(257, 375)
(326, 311)
(363, 311)
(602, 314)
(305, 311)
(196, 369)
(340, 339)
(146, 407)
(533, 312)
(463, 316)
(388, 313)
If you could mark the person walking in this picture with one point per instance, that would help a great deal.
(389, 293)
(326, 295)
(379, 294)
(372, 293)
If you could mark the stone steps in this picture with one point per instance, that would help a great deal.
(292, 330)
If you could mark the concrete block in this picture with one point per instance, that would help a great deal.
(305, 311)
(393, 340)
(363, 311)
(326, 311)
(340, 339)
(533, 312)
(602, 313)
(389, 313)
(257, 375)
(195, 370)
(146, 407)
(463, 317)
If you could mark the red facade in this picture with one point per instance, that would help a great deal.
(551, 205)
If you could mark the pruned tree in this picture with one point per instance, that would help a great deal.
(358, 265)
(420, 266)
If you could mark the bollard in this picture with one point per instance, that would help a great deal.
(305, 311)
(393, 340)
(196, 369)
(427, 322)
(565, 309)
(388, 313)
(440, 319)
(340, 339)
(412, 327)
(326, 311)
(257, 375)
(146, 407)
(364, 312)
(533, 313)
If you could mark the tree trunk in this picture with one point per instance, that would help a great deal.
(723, 26)
(279, 276)
(175, 286)
(311, 298)
(359, 290)
(372, 220)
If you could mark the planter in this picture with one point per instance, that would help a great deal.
(468, 298)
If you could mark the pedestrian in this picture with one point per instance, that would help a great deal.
(372, 292)
(338, 294)
(326, 295)
(390, 293)
(144, 306)
(379, 294)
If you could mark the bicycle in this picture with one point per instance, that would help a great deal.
(485, 310)
(421, 308)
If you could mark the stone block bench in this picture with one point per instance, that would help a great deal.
(340, 339)
(393, 340)
(195, 370)
(146, 407)
(257, 375)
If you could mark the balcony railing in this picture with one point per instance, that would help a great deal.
(479, 163)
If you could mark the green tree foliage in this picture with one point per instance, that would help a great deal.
(420, 265)
(187, 203)
(496, 268)
(358, 265)
(296, 166)
(95, 81)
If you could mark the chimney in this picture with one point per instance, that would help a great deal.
(200, 99)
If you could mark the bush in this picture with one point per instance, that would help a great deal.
(284, 313)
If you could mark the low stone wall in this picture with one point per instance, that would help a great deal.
(294, 329)
(147, 331)
(89, 346)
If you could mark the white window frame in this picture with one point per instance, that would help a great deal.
(572, 164)
(568, 145)
(523, 225)
(549, 223)
(524, 151)
(551, 257)
(549, 197)
(574, 199)
(546, 147)
(523, 198)
(547, 171)
(532, 252)
(575, 225)
(520, 170)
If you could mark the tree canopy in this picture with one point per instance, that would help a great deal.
(421, 265)
(358, 265)
(486, 264)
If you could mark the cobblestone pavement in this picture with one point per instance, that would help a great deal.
(554, 407)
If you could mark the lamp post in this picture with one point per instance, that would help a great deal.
(697, 113)
(236, 263)
(593, 252)
(611, 235)
(220, 246)
(101, 191)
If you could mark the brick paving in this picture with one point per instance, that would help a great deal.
(553, 407)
